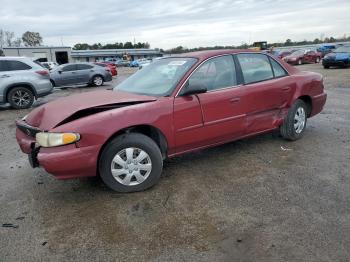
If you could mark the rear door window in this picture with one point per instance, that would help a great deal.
(3, 66)
(83, 67)
(69, 68)
(277, 69)
(255, 67)
(16, 65)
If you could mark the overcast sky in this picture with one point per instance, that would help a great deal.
(167, 24)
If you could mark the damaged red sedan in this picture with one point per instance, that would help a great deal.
(175, 105)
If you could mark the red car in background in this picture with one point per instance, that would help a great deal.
(301, 56)
(283, 54)
(173, 106)
(112, 68)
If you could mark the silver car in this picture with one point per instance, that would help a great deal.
(79, 74)
(21, 81)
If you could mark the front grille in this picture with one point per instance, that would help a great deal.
(27, 129)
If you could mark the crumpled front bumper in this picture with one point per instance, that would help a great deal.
(64, 162)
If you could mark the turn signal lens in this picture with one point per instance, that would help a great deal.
(46, 139)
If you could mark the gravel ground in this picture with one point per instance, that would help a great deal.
(258, 199)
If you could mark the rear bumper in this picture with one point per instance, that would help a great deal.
(64, 162)
(43, 88)
(318, 103)
(108, 78)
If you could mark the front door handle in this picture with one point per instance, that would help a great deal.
(4, 76)
(235, 100)
(286, 88)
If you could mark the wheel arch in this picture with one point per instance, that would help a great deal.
(148, 130)
(26, 85)
(94, 75)
(308, 101)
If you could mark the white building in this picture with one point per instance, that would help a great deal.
(61, 54)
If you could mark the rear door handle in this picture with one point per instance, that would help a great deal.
(235, 100)
(286, 88)
(4, 76)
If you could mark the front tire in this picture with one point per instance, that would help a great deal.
(317, 60)
(131, 162)
(294, 124)
(97, 80)
(300, 62)
(20, 98)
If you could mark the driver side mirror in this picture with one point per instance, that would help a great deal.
(193, 88)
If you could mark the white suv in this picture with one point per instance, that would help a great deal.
(22, 80)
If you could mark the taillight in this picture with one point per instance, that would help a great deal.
(42, 72)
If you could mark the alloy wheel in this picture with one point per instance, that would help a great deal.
(21, 98)
(98, 80)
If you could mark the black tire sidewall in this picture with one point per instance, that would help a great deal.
(14, 90)
(287, 129)
(130, 140)
(93, 80)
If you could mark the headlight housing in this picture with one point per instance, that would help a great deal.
(46, 139)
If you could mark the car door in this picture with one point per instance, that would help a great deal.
(309, 57)
(267, 90)
(66, 75)
(212, 117)
(84, 72)
(4, 79)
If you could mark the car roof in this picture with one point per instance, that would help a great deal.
(202, 55)
(14, 58)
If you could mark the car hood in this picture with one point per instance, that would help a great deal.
(70, 108)
(292, 57)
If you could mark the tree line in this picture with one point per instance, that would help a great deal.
(96, 46)
(288, 42)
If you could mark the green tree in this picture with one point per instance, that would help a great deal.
(32, 39)
(81, 46)
(288, 42)
(128, 45)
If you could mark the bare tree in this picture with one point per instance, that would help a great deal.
(2, 38)
(17, 42)
(32, 39)
(9, 38)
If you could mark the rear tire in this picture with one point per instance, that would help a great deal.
(20, 98)
(131, 162)
(300, 62)
(294, 123)
(326, 66)
(97, 80)
(317, 60)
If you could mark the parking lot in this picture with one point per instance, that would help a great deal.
(257, 199)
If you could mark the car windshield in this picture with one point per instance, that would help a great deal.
(298, 52)
(342, 49)
(157, 79)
